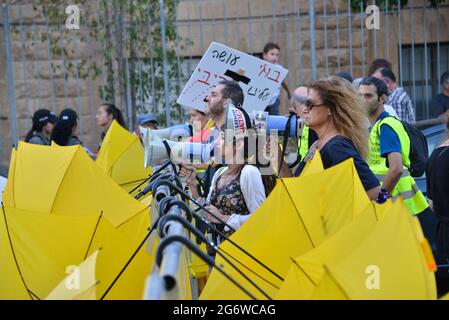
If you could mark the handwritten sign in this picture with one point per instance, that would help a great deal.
(259, 79)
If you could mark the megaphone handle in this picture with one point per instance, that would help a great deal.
(167, 147)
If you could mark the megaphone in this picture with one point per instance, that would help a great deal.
(176, 133)
(158, 150)
(263, 121)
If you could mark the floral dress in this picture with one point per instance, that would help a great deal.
(229, 200)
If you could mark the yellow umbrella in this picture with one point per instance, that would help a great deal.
(297, 216)
(58, 179)
(80, 284)
(122, 156)
(39, 248)
(8, 191)
(64, 180)
(380, 255)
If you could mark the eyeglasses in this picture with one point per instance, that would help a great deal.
(309, 105)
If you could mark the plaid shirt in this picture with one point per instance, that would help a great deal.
(402, 104)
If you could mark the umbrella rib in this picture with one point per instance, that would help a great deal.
(93, 235)
(153, 227)
(308, 277)
(336, 282)
(63, 177)
(297, 212)
(130, 182)
(14, 255)
(249, 269)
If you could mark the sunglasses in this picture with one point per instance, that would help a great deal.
(309, 105)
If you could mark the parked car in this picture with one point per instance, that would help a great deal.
(435, 135)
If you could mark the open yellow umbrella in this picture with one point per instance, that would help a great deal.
(80, 284)
(122, 156)
(65, 181)
(38, 248)
(299, 214)
(380, 255)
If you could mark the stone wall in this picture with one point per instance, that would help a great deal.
(249, 25)
(40, 79)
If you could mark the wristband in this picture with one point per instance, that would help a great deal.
(383, 196)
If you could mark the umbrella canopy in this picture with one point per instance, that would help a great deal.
(64, 181)
(80, 284)
(57, 179)
(37, 250)
(122, 156)
(298, 215)
(380, 255)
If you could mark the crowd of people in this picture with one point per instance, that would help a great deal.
(362, 119)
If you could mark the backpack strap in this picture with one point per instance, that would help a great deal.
(378, 133)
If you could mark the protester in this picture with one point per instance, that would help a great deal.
(201, 125)
(388, 108)
(345, 75)
(397, 97)
(43, 122)
(65, 129)
(437, 180)
(107, 113)
(271, 52)
(226, 91)
(237, 189)
(335, 112)
(308, 136)
(440, 103)
(378, 64)
(147, 121)
(389, 144)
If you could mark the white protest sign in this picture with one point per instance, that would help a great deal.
(259, 79)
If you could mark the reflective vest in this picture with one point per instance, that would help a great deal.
(303, 143)
(406, 186)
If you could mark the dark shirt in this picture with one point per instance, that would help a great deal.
(337, 150)
(39, 138)
(437, 181)
(439, 104)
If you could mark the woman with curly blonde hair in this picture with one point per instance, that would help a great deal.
(335, 112)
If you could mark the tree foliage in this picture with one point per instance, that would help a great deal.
(124, 41)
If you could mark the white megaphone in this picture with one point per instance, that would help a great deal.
(261, 120)
(158, 150)
(176, 133)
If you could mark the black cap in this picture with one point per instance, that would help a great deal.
(43, 116)
(69, 116)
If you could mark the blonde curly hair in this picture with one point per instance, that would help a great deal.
(347, 110)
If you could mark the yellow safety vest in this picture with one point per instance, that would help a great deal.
(406, 186)
(303, 143)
